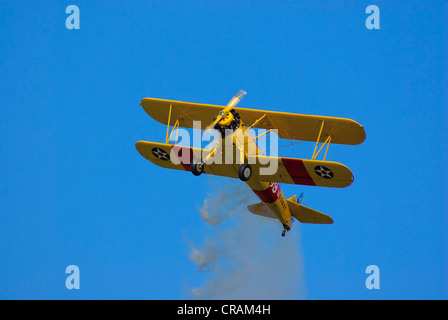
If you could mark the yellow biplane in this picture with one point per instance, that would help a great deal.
(246, 161)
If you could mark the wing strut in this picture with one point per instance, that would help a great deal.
(263, 134)
(168, 126)
(327, 141)
(176, 126)
(256, 121)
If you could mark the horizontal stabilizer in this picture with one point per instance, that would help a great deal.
(307, 215)
(261, 210)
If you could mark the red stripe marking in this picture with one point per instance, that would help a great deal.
(297, 171)
(268, 195)
(185, 156)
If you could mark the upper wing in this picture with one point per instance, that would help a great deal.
(307, 127)
(185, 112)
(289, 125)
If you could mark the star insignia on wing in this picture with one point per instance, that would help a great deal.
(161, 154)
(323, 172)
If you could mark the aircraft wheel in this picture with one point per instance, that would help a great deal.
(245, 172)
(283, 232)
(197, 167)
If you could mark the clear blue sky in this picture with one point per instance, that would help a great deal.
(74, 190)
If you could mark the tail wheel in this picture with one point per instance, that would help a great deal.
(286, 228)
(197, 167)
(245, 172)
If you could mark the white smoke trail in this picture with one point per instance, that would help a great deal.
(245, 257)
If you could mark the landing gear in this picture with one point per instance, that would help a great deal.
(245, 172)
(197, 167)
(284, 232)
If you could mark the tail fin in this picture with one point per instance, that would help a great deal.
(300, 198)
(295, 199)
(305, 214)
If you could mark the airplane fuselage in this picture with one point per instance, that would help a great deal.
(270, 194)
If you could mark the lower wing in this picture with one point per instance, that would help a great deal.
(264, 168)
(179, 157)
(304, 172)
